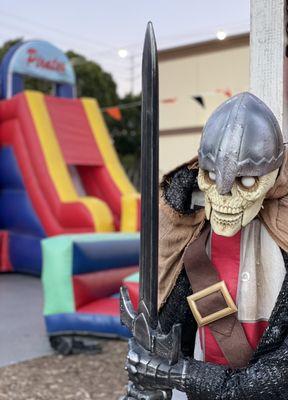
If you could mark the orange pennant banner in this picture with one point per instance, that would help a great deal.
(114, 112)
(169, 101)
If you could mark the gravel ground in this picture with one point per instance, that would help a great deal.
(83, 377)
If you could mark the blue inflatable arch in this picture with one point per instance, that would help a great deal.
(38, 59)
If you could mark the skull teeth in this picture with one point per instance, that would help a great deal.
(225, 219)
(226, 209)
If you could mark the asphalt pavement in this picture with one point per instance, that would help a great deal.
(22, 330)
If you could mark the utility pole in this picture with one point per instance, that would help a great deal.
(268, 57)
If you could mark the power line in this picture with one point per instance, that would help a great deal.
(60, 31)
(94, 55)
(27, 31)
(123, 106)
(197, 33)
(112, 48)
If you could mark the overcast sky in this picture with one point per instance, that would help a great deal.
(98, 29)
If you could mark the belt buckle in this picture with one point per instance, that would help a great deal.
(218, 287)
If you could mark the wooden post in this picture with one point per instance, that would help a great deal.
(268, 61)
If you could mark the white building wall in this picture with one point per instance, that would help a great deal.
(202, 74)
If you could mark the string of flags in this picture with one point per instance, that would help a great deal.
(115, 111)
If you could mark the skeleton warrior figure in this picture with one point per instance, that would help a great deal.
(222, 262)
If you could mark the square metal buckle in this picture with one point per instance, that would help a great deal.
(230, 309)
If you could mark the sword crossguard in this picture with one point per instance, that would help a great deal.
(153, 340)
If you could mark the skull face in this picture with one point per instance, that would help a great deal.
(229, 212)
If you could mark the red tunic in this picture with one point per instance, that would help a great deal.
(225, 256)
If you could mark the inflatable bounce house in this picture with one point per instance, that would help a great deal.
(65, 201)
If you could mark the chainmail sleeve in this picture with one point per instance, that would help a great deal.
(178, 187)
(267, 379)
(177, 311)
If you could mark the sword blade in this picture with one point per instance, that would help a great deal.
(149, 179)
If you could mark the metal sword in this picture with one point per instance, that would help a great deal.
(149, 179)
(144, 324)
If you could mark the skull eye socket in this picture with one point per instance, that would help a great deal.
(248, 182)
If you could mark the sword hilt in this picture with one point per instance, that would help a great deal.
(153, 340)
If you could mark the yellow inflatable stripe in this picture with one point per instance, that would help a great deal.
(101, 214)
(129, 215)
(103, 140)
(50, 147)
(129, 200)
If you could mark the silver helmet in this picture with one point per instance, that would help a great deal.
(241, 138)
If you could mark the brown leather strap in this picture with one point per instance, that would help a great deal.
(227, 331)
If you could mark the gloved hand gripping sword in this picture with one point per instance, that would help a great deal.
(144, 324)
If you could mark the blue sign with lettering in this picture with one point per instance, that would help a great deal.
(42, 60)
(38, 59)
